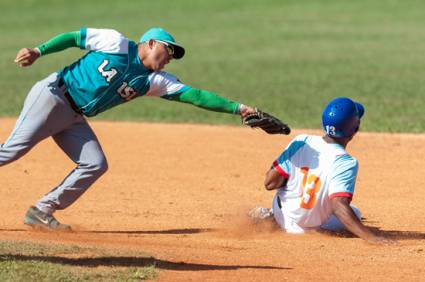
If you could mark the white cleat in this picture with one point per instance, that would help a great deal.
(259, 213)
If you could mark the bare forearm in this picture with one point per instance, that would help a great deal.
(347, 217)
(342, 210)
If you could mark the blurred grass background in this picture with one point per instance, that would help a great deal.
(286, 57)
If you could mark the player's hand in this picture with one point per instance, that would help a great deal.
(245, 110)
(379, 240)
(26, 57)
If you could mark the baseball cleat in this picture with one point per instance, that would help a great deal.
(259, 213)
(40, 220)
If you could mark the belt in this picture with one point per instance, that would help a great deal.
(62, 86)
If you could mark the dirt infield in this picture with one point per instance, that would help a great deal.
(181, 193)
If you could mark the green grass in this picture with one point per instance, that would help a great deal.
(25, 261)
(287, 57)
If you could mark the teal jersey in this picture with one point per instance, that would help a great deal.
(111, 74)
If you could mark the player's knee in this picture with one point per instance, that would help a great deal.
(101, 166)
(7, 155)
(356, 211)
(97, 166)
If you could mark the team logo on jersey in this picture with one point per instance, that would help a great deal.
(126, 92)
(107, 74)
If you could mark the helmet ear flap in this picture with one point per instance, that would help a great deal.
(351, 126)
(360, 109)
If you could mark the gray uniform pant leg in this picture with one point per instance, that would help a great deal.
(81, 145)
(46, 112)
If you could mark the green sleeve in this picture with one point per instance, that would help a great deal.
(60, 42)
(206, 100)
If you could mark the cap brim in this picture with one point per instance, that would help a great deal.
(360, 109)
(178, 51)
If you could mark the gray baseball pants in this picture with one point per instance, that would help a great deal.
(47, 112)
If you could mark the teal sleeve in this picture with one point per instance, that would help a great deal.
(206, 100)
(61, 42)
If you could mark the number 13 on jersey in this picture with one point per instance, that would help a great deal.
(310, 186)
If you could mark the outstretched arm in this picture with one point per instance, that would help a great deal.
(211, 101)
(27, 56)
(342, 210)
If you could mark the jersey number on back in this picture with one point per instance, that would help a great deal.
(108, 74)
(310, 185)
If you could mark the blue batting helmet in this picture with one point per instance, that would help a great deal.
(341, 117)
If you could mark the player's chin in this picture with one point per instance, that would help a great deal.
(158, 68)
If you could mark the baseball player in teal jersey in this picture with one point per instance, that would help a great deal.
(114, 71)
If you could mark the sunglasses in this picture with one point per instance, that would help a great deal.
(168, 47)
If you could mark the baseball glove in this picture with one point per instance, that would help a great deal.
(267, 122)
